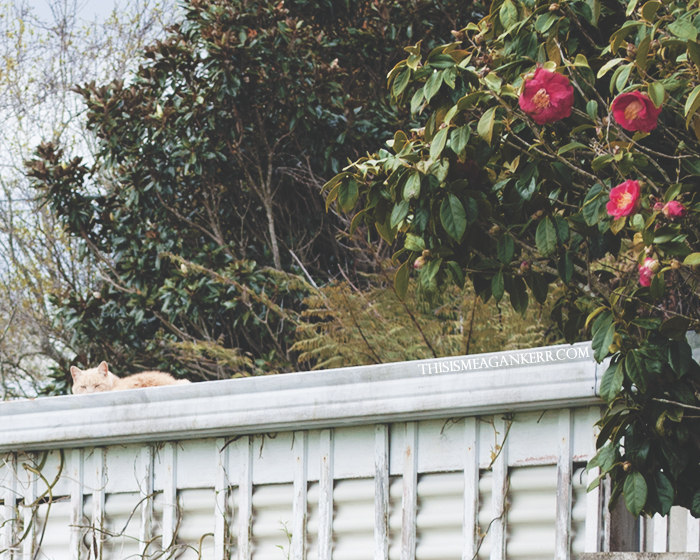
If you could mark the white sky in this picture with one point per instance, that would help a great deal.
(89, 9)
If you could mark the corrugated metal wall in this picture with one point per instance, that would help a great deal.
(507, 487)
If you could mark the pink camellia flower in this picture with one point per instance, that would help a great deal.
(658, 206)
(547, 97)
(623, 199)
(674, 209)
(647, 271)
(635, 111)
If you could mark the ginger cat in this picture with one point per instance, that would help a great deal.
(100, 379)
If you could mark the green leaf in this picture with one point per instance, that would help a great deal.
(692, 104)
(453, 217)
(636, 371)
(609, 66)
(611, 384)
(459, 139)
(398, 213)
(695, 506)
(505, 249)
(417, 100)
(635, 492)
(565, 266)
(665, 491)
(401, 82)
(412, 187)
(694, 52)
(657, 93)
(432, 86)
(538, 286)
(572, 146)
(414, 243)
(592, 109)
(546, 237)
(438, 143)
(356, 220)
(675, 328)
(387, 233)
(508, 14)
(401, 281)
(683, 29)
(493, 82)
(692, 259)
(497, 286)
(518, 295)
(649, 10)
(603, 332)
(347, 195)
(486, 124)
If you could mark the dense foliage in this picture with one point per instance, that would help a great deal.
(561, 144)
(204, 203)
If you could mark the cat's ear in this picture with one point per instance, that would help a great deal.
(75, 372)
(103, 369)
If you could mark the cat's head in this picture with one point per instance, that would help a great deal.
(93, 380)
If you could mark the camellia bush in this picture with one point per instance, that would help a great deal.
(561, 145)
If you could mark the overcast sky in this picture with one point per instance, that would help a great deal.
(89, 9)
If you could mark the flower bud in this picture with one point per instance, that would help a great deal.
(525, 266)
(183, 268)
(96, 295)
(419, 263)
(627, 466)
(553, 7)
(675, 264)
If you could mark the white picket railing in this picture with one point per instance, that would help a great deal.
(456, 458)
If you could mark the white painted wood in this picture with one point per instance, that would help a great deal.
(659, 537)
(9, 495)
(692, 534)
(325, 495)
(170, 507)
(350, 396)
(594, 502)
(562, 546)
(381, 492)
(299, 509)
(245, 498)
(607, 516)
(76, 501)
(471, 488)
(146, 494)
(221, 492)
(499, 493)
(409, 498)
(29, 513)
(98, 501)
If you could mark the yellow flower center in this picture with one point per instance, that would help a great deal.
(541, 99)
(633, 109)
(625, 200)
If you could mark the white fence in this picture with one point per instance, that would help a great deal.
(460, 458)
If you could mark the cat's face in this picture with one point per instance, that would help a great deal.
(93, 380)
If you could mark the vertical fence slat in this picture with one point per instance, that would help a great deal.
(98, 501)
(76, 501)
(169, 454)
(562, 527)
(659, 535)
(471, 488)
(499, 493)
(409, 500)
(245, 498)
(692, 535)
(221, 492)
(381, 492)
(325, 496)
(146, 491)
(594, 497)
(301, 444)
(10, 506)
(30, 516)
